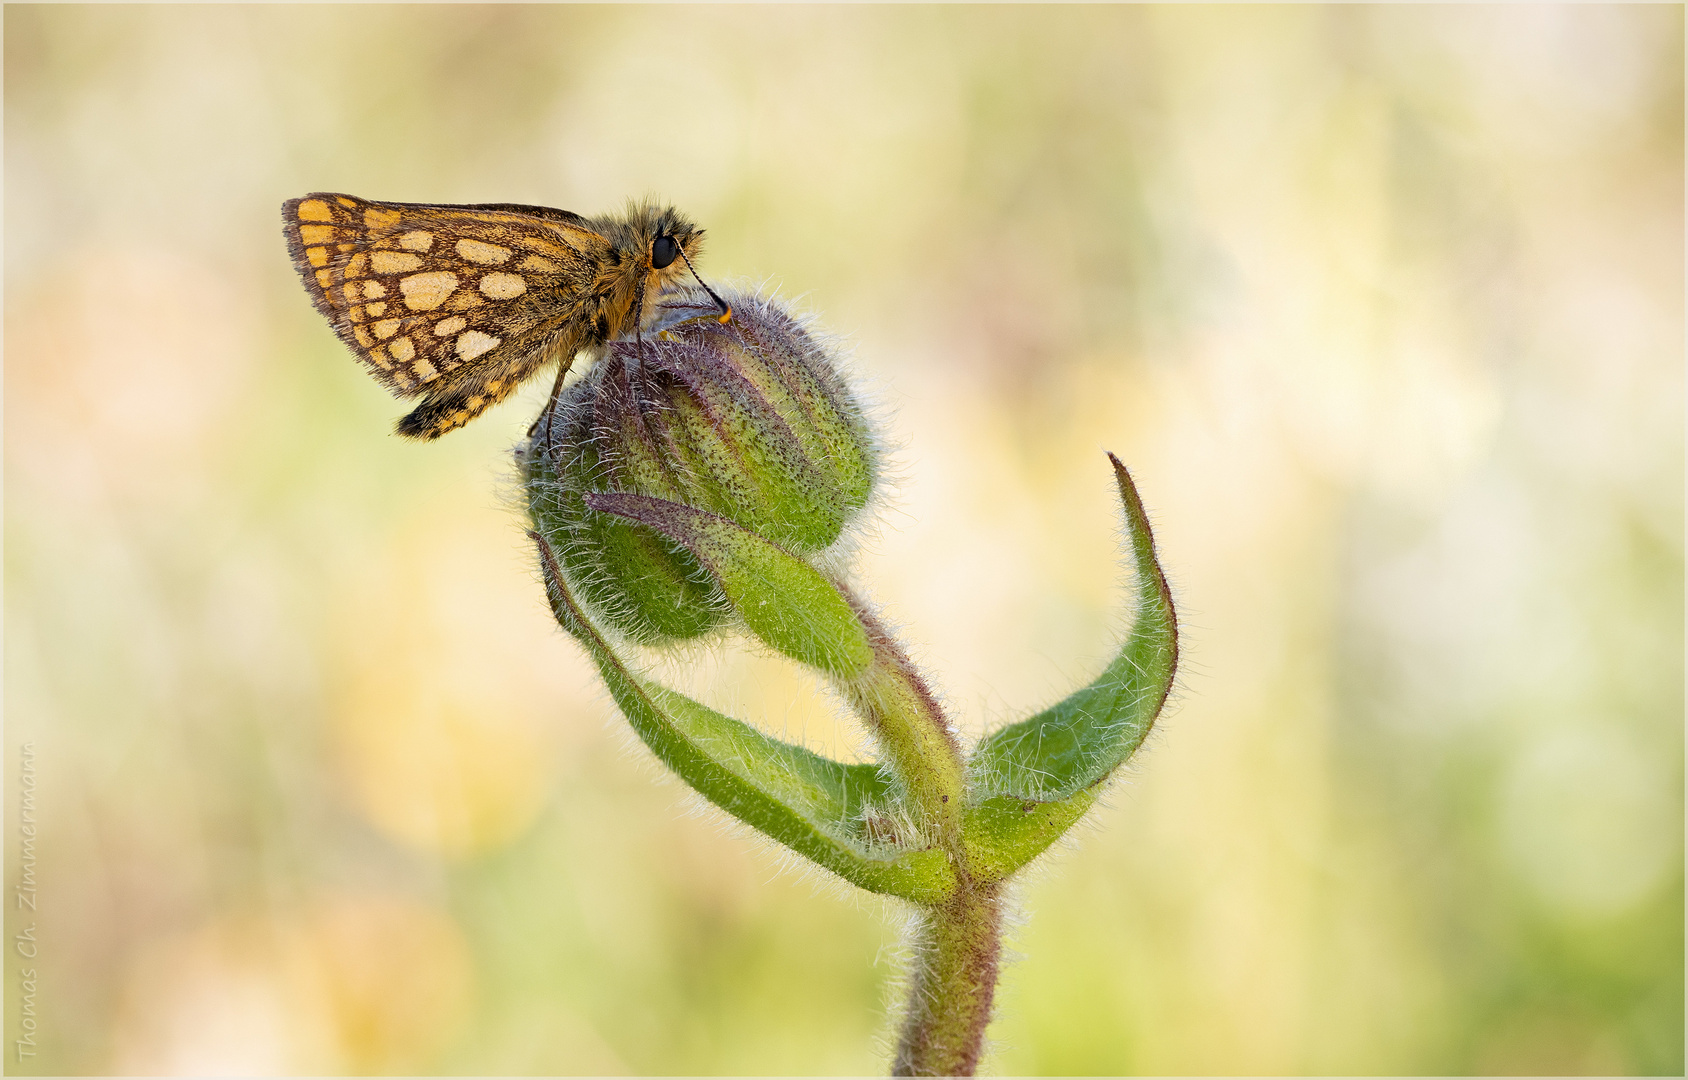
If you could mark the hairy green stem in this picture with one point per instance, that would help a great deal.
(904, 716)
(958, 949)
(959, 940)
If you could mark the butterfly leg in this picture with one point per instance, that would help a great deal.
(551, 402)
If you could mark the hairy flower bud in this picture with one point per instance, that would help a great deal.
(749, 420)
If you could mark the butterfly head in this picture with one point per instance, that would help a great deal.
(669, 243)
(673, 237)
(660, 237)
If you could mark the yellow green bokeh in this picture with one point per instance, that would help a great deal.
(1382, 306)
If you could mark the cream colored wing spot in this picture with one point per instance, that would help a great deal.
(350, 292)
(448, 327)
(318, 256)
(463, 301)
(485, 254)
(356, 266)
(386, 328)
(401, 349)
(502, 286)
(394, 262)
(416, 240)
(425, 292)
(314, 210)
(316, 234)
(543, 265)
(374, 290)
(376, 309)
(423, 369)
(377, 220)
(474, 343)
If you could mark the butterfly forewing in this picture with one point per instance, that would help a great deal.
(418, 292)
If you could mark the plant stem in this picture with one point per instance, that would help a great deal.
(904, 717)
(958, 949)
(959, 942)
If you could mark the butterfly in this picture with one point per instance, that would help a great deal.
(462, 304)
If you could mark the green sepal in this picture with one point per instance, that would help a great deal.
(641, 584)
(782, 599)
(821, 809)
(1033, 779)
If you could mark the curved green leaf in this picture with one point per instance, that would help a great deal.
(1035, 778)
(824, 810)
(795, 609)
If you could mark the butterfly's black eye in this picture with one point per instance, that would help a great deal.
(663, 251)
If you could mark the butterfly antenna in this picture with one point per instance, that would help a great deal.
(726, 309)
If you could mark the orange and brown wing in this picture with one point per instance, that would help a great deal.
(418, 291)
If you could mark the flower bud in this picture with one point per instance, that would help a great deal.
(750, 420)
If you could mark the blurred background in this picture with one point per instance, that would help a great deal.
(1383, 306)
